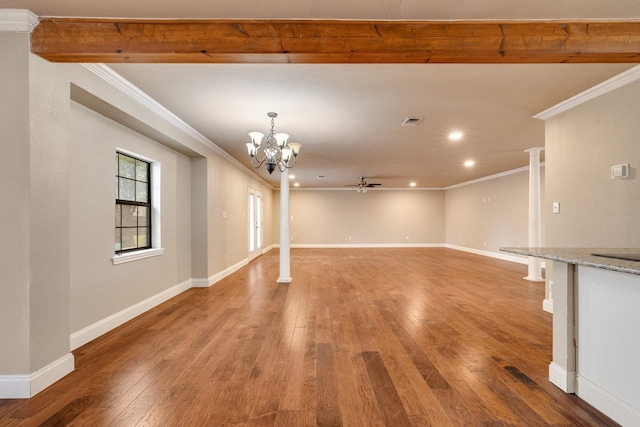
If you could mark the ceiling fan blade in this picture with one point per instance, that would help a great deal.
(373, 185)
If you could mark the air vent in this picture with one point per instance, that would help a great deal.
(412, 121)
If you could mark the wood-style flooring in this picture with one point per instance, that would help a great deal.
(361, 337)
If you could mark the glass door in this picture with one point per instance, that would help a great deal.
(255, 223)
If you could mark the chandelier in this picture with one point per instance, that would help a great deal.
(276, 151)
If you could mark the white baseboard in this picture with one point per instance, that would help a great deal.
(268, 248)
(51, 373)
(547, 305)
(15, 386)
(26, 386)
(200, 283)
(562, 378)
(498, 255)
(103, 326)
(364, 245)
(611, 405)
(228, 271)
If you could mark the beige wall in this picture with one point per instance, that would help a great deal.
(99, 288)
(204, 203)
(228, 215)
(199, 223)
(49, 217)
(34, 292)
(384, 217)
(57, 274)
(204, 208)
(581, 145)
(492, 213)
(15, 206)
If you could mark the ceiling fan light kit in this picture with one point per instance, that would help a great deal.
(276, 152)
(363, 185)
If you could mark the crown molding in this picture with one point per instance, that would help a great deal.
(490, 177)
(369, 189)
(450, 187)
(18, 20)
(125, 86)
(603, 88)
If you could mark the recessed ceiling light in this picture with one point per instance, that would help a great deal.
(469, 163)
(292, 176)
(297, 184)
(455, 136)
(412, 184)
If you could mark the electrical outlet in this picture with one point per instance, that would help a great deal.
(556, 207)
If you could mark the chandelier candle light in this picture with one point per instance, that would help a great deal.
(276, 151)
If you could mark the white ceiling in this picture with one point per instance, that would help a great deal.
(335, 9)
(348, 116)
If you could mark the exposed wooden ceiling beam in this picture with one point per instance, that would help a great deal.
(313, 41)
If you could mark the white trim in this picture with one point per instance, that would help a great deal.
(505, 257)
(611, 405)
(364, 245)
(18, 20)
(547, 305)
(129, 89)
(26, 386)
(490, 177)
(451, 187)
(105, 325)
(51, 373)
(369, 189)
(136, 255)
(15, 387)
(228, 271)
(502, 256)
(563, 379)
(603, 88)
(200, 283)
(155, 168)
(268, 248)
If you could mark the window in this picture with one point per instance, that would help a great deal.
(133, 204)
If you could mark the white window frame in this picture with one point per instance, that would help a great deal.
(156, 225)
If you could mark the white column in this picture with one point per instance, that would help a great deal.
(285, 260)
(535, 229)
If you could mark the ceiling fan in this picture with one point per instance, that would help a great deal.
(363, 185)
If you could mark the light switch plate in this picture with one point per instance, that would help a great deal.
(620, 171)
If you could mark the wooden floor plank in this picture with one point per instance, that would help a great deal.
(361, 337)
(389, 401)
(327, 379)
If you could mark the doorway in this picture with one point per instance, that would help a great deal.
(255, 223)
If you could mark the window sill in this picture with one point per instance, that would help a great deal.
(136, 255)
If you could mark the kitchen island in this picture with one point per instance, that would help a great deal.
(596, 326)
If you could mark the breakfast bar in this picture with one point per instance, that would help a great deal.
(596, 326)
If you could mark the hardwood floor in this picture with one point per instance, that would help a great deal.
(361, 337)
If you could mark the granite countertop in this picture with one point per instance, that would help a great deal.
(583, 256)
